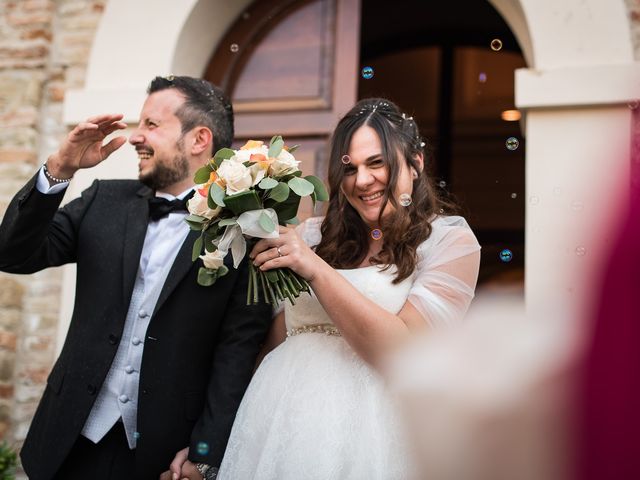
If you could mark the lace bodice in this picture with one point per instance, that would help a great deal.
(434, 288)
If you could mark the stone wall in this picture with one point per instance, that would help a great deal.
(44, 49)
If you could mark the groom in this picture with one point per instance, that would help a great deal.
(152, 362)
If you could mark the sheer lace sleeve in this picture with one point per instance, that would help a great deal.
(447, 271)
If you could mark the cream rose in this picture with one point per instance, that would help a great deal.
(236, 176)
(213, 260)
(283, 164)
(197, 205)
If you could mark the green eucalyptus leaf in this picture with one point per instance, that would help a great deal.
(266, 223)
(293, 149)
(216, 193)
(227, 221)
(280, 193)
(268, 183)
(202, 175)
(243, 202)
(274, 138)
(293, 221)
(301, 186)
(276, 146)
(319, 188)
(288, 209)
(222, 154)
(207, 277)
(197, 248)
(196, 219)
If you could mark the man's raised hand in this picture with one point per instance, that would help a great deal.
(83, 146)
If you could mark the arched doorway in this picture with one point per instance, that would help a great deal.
(570, 123)
(291, 68)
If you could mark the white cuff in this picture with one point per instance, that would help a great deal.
(43, 184)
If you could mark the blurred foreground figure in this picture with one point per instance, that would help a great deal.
(610, 389)
(527, 397)
(490, 401)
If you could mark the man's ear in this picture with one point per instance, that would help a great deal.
(202, 140)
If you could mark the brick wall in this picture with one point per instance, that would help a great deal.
(44, 49)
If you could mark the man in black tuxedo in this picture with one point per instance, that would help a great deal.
(153, 362)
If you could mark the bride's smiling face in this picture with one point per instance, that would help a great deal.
(366, 176)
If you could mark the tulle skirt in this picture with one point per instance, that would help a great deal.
(315, 410)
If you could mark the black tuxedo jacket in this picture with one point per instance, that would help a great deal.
(200, 346)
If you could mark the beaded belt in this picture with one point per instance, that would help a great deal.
(325, 328)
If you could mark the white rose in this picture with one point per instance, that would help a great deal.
(213, 260)
(236, 176)
(242, 156)
(283, 164)
(197, 205)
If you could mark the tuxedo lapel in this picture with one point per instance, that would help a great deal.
(135, 231)
(181, 265)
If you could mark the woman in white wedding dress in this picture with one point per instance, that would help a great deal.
(382, 264)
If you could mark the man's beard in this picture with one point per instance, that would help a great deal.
(163, 175)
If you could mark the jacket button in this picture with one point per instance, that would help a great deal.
(113, 339)
(91, 389)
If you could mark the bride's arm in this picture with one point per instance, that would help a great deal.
(370, 329)
(277, 334)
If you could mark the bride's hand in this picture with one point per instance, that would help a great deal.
(288, 250)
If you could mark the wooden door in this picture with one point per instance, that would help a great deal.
(291, 69)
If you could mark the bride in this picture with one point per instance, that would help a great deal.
(383, 264)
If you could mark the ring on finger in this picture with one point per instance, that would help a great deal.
(280, 254)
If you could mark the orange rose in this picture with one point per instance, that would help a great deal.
(251, 144)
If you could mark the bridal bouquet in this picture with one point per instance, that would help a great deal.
(243, 195)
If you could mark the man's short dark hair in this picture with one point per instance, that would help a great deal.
(205, 105)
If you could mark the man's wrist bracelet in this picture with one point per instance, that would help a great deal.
(52, 178)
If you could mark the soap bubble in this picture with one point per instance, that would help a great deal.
(506, 255)
(202, 448)
(405, 200)
(512, 143)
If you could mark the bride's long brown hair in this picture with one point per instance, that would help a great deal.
(345, 236)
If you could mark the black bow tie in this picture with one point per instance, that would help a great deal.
(161, 207)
